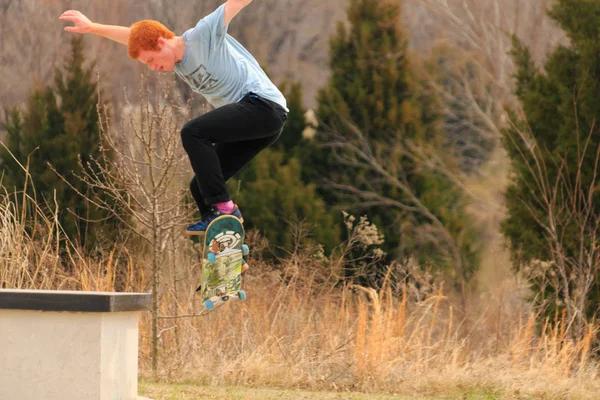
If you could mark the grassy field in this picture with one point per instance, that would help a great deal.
(160, 391)
(301, 328)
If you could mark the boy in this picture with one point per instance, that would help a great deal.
(249, 113)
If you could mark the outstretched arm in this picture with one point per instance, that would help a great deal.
(82, 24)
(233, 7)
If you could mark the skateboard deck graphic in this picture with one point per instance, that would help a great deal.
(222, 260)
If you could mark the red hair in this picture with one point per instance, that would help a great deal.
(144, 36)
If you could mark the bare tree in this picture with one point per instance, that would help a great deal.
(353, 152)
(565, 208)
(485, 28)
(471, 113)
(25, 48)
(142, 172)
(34, 43)
(469, 41)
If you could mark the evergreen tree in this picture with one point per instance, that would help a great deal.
(291, 140)
(272, 192)
(553, 151)
(8, 163)
(59, 126)
(372, 90)
(274, 199)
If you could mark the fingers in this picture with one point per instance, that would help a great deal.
(70, 15)
(71, 12)
(80, 22)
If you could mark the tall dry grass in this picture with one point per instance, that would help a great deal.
(35, 253)
(298, 329)
(355, 338)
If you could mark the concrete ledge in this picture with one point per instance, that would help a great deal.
(58, 345)
(48, 300)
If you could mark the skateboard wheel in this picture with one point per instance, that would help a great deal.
(212, 257)
(245, 249)
(209, 305)
(242, 295)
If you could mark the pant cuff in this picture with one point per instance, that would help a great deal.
(218, 199)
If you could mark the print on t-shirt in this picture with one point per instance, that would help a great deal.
(200, 79)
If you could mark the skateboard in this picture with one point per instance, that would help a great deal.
(223, 252)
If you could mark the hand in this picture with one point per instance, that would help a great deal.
(82, 23)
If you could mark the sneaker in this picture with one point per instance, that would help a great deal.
(237, 213)
(200, 227)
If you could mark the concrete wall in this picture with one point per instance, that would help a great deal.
(65, 355)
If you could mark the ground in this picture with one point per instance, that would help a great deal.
(164, 391)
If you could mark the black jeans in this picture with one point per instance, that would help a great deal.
(221, 142)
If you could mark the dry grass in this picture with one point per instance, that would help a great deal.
(362, 340)
(297, 331)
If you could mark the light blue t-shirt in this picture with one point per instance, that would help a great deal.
(219, 67)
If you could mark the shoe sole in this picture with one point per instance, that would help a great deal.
(201, 233)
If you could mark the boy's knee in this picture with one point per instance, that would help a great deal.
(193, 132)
(192, 137)
(186, 134)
